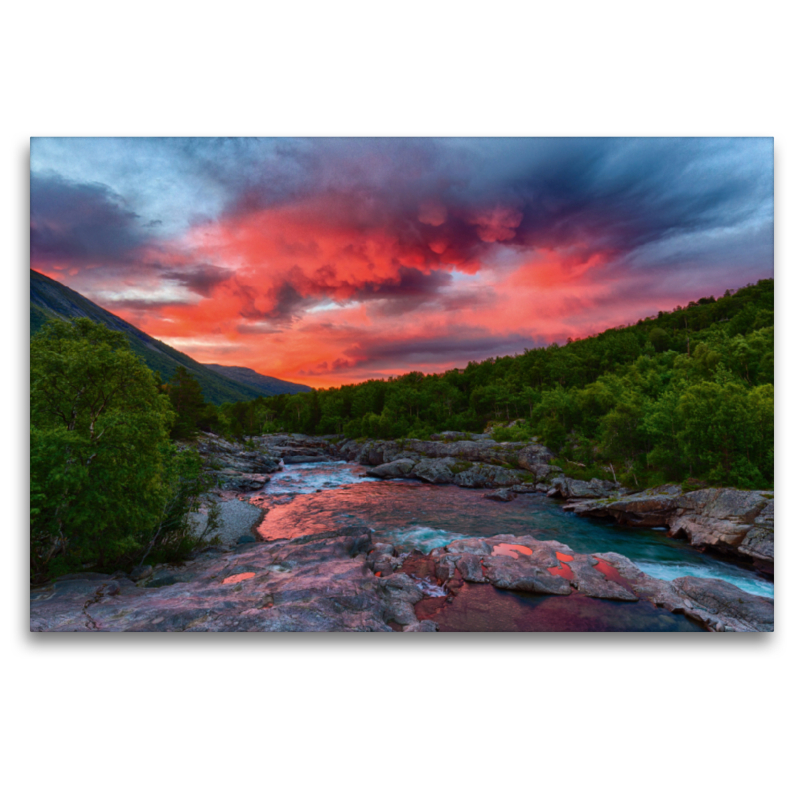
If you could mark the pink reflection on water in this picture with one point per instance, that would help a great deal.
(242, 576)
(512, 550)
(563, 569)
(612, 574)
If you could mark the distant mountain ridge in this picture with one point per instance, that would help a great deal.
(52, 300)
(263, 383)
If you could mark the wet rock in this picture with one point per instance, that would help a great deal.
(436, 470)
(501, 495)
(400, 468)
(726, 606)
(400, 593)
(231, 480)
(320, 582)
(470, 567)
(246, 539)
(425, 626)
(716, 604)
(588, 580)
(305, 459)
(731, 521)
(526, 564)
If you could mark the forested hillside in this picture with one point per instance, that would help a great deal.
(687, 394)
(52, 300)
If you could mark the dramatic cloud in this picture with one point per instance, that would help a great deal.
(342, 259)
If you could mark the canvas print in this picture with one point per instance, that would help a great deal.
(401, 385)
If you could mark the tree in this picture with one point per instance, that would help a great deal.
(186, 396)
(101, 463)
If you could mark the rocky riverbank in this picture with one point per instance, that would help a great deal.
(728, 521)
(731, 522)
(347, 580)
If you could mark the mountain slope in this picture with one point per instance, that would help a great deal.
(51, 299)
(255, 380)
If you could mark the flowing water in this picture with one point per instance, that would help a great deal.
(311, 498)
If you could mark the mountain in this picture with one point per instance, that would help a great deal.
(51, 299)
(255, 380)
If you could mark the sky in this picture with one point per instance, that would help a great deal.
(332, 261)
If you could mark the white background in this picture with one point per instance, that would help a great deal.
(356, 716)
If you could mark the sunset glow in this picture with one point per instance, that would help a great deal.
(331, 261)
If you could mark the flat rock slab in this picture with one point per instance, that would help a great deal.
(314, 583)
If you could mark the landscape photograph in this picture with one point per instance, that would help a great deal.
(506, 384)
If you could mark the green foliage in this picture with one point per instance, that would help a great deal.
(103, 472)
(192, 413)
(685, 394)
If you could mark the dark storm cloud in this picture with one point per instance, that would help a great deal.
(459, 344)
(81, 223)
(619, 193)
(410, 284)
(614, 194)
(284, 302)
(199, 278)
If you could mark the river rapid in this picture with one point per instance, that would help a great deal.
(310, 498)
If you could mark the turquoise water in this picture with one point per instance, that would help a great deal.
(423, 516)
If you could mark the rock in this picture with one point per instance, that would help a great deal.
(401, 593)
(322, 582)
(435, 470)
(246, 539)
(141, 573)
(470, 567)
(720, 602)
(569, 488)
(241, 482)
(588, 580)
(425, 626)
(731, 521)
(84, 576)
(534, 457)
(318, 582)
(501, 495)
(526, 564)
(394, 469)
(305, 459)
(486, 476)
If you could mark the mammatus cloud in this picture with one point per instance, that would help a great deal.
(343, 259)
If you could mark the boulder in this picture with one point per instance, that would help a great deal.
(731, 521)
(726, 606)
(400, 468)
(570, 488)
(534, 456)
(435, 470)
(487, 476)
(501, 495)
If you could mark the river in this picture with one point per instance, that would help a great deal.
(310, 498)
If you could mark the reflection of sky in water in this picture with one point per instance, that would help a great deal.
(422, 516)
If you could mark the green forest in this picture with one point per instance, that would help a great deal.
(685, 395)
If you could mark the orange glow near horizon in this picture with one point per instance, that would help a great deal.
(306, 295)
